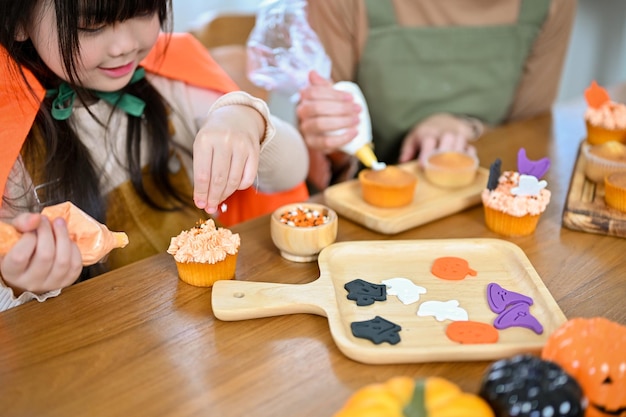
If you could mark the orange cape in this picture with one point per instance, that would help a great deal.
(176, 56)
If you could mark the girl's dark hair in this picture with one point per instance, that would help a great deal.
(63, 159)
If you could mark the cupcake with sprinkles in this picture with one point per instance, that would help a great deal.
(205, 254)
(515, 200)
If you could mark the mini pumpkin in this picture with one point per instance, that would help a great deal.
(593, 351)
(405, 397)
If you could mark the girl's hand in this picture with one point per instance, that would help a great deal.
(441, 131)
(43, 259)
(226, 154)
(327, 118)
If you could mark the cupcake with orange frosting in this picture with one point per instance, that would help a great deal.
(205, 254)
(605, 119)
(515, 200)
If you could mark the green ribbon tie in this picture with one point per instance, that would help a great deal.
(63, 103)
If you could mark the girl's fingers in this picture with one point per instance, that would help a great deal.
(202, 168)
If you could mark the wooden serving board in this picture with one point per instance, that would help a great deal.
(423, 339)
(585, 209)
(430, 202)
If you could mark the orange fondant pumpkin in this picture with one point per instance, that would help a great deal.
(593, 351)
(406, 397)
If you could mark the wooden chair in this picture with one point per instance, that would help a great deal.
(225, 36)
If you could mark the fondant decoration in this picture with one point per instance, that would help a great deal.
(452, 268)
(528, 186)
(596, 96)
(495, 170)
(378, 330)
(442, 310)
(593, 351)
(499, 298)
(404, 289)
(527, 386)
(518, 315)
(471, 332)
(404, 396)
(365, 293)
(527, 166)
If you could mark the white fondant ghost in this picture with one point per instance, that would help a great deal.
(528, 185)
(404, 289)
(443, 310)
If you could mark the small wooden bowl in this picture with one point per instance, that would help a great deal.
(300, 242)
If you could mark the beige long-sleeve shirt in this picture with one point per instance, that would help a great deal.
(283, 160)
(343, 29)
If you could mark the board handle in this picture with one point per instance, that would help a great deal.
(242, 300)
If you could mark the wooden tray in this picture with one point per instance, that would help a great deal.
(430, 203)
(585, 209)
(423, 339)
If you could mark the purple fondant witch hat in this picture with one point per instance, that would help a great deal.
(500, 298)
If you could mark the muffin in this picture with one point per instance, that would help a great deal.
(604, 118)
(615, 190)
(450, 169)
(514, 205)
(205, 254)
(388, 188)
(604, 159)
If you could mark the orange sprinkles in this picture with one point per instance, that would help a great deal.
(304, 217)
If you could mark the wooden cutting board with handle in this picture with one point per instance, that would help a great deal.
(423, 339)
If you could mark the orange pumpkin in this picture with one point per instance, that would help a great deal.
(403, 396)
(593, 351)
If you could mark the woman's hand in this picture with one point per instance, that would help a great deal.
(226, 154)
(441, 131)
(43, 259)
(327, 118)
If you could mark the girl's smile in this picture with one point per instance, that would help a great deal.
(118, 72)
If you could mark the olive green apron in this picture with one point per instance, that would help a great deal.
(410, 73)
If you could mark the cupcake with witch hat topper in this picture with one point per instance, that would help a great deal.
(605, 119)
(515, 200)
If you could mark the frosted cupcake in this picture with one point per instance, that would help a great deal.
(605, 119)
(205, 254)
(515, 200)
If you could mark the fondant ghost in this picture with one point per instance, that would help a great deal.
(443, 310)
(404, 289)
(528, 185)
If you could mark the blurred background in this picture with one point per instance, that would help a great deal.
(597, 48)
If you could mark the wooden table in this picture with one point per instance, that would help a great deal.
(139, 342)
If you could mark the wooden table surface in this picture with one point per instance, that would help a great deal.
(139, 342)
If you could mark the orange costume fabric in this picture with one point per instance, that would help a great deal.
(176, 56)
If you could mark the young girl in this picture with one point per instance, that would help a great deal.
(100, 108)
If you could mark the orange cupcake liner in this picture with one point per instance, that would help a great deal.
(508, 225)
(614, 194)
(204, 274)
(597, 135)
